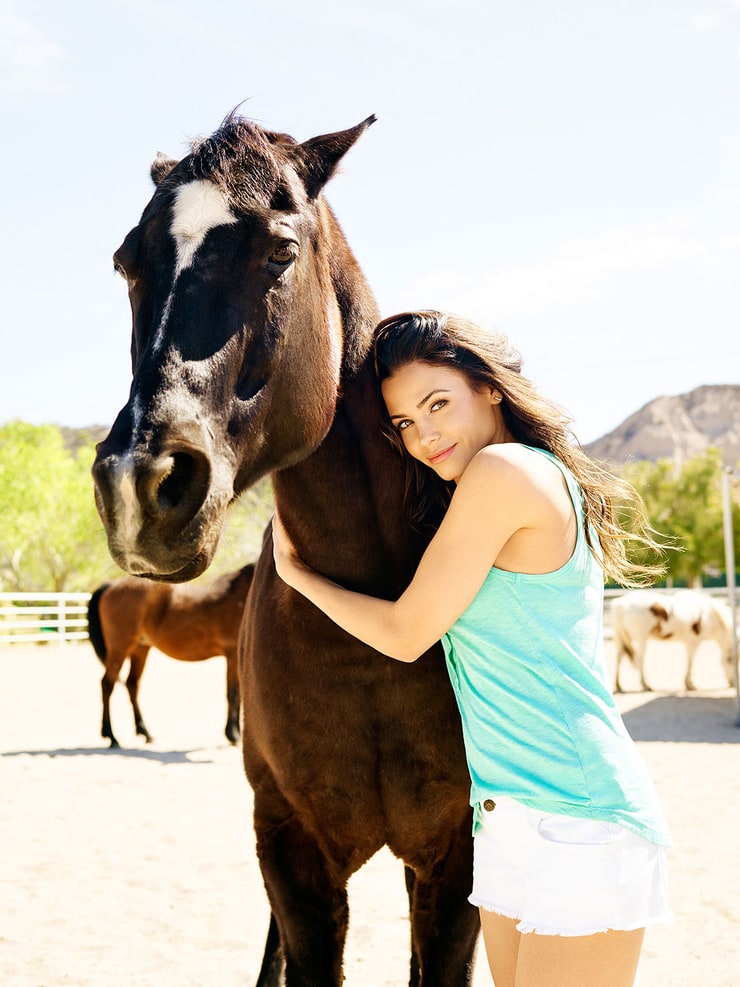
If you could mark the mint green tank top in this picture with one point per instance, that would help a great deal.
(540, 724)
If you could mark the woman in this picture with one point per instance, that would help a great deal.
(569, 858)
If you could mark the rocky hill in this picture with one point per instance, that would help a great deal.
(678, 428)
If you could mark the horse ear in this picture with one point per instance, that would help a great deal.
(161, 167)
(317, 158)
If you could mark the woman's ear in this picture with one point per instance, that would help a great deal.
(496, 396)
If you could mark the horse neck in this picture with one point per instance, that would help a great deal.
(343, 505)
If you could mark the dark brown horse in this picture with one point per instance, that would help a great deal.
(131, 615)
(252, 325)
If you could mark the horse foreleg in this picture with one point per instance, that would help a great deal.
(444, 925)
(640, 650)
(273, 965)
(233, 701)
(414, 970)
(138, 658)
(691, 648)
(617, 666)
(309, 906)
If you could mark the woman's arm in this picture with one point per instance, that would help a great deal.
(494, 498)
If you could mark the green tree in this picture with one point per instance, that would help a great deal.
(685, 505)
(51, 538)
(50, 535)
(246, 520)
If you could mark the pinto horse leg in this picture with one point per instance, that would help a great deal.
(444, 925)
(640, 651)
(233, 701)
(138, 661)
(309, 906)
(691, 649)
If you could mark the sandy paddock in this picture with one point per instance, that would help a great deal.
(136, 868)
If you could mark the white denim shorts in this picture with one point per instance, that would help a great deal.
(562, 876)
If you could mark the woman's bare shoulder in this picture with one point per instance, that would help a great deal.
(509, 459)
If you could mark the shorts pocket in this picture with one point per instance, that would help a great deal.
(575, 831)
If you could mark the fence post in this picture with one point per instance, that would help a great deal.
(62, 618)
(727, 475)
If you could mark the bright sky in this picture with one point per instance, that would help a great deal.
(568, 173)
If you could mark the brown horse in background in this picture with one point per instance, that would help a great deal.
(191, 623)
(251, 332)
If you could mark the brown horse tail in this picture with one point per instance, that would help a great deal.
(94, 627)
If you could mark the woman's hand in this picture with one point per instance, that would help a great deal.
(287, 559)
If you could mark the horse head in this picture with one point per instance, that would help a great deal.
(243, 330)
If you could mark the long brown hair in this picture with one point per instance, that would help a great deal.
(489, 360)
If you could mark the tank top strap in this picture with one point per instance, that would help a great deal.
(575, 493)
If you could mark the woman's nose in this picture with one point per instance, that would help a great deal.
(428, 434)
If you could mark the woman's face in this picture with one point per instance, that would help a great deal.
(442, 419)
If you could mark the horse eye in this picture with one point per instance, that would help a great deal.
(119, 269)
(283, 256)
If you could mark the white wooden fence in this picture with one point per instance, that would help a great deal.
(30, 618)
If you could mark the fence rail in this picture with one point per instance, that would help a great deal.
(28, 618)
(32, 618)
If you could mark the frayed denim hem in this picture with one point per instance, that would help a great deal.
(526, 928)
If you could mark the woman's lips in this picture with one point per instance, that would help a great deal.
(440, 457)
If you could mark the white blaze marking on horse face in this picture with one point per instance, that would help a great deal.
(199, 207)
(131, 514)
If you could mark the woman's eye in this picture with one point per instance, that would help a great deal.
(282, 256)
(438, 404)
(403, 425)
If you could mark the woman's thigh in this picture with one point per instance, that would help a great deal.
(501, 939)
(608, 959)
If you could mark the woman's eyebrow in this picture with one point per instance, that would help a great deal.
(437, 390)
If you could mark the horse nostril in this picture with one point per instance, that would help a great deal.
(178, 481)
(173, 488)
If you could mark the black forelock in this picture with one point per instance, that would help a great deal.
(245, 160)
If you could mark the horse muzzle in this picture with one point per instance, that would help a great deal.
(162, 512)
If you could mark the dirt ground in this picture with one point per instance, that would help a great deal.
(136, 867)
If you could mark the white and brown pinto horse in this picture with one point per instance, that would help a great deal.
(688, 616)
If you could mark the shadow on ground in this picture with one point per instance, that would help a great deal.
(685, 719)
(163, 757)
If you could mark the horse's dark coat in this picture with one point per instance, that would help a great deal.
(255, 360)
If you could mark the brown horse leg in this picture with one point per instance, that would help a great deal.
(233, 701)
(310, 908)
(444, 925)
(106, 729)
(273, 964)
(414, 970)
(138, 658)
